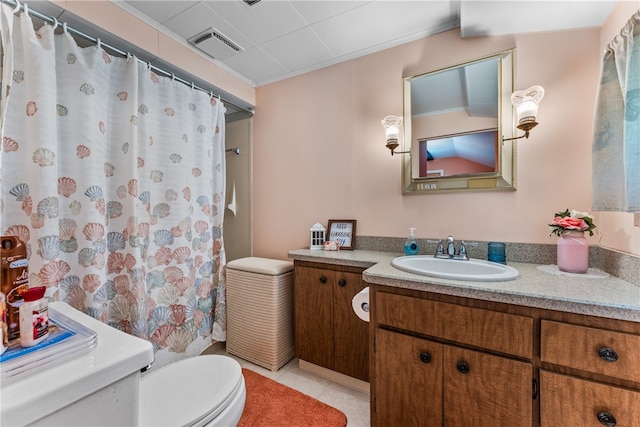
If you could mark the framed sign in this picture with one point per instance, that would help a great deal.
(343, 231)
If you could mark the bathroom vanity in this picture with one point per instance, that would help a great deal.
(327, 332)
(506, 365)
(542, 350)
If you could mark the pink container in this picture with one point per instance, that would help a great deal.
(573, 252)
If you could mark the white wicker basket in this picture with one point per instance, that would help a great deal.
(260, 311)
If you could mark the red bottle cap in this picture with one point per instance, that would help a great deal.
(34, 294)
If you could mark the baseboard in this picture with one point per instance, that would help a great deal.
(214, 348)
(337, 377)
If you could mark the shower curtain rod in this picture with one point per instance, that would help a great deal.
(19, 6)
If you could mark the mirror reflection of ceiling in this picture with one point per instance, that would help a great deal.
(473, 88)
(280, 39)
(478, 148)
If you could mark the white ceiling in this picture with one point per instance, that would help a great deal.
(281, 39)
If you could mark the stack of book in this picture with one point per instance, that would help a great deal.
(67, 339)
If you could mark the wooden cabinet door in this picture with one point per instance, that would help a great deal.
(313, 296)
(408, 381)
(351, 333)
(570, 401)
(484, 390)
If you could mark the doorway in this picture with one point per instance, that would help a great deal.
(238, 214)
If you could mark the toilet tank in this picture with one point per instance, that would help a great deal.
(99, 387)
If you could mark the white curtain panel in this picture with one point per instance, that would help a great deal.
(114, 177)
(616, 141)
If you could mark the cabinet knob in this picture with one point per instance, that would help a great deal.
(606, 419)
(608, 354)
(342, 282)
(425, 357)
(323, 279)
(463, 367)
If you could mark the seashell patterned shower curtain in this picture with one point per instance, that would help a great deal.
(114, 178)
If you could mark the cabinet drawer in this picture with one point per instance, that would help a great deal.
(588, 349)
(501, 332)
(571, 401)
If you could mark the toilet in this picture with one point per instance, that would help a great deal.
(102, 383)
(206, 390)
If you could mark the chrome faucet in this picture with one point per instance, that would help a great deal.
(451, 253)
(451, 247)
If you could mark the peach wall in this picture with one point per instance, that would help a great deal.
(319, 147)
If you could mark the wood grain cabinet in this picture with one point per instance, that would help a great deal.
(327, 331)
(441, 360)
(602, 354)
(422, 378)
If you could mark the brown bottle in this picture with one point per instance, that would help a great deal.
(14, 280)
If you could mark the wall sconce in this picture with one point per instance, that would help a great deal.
(526, 104)
(392, 126)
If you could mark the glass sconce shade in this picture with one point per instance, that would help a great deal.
(392, 125)
(526, 104)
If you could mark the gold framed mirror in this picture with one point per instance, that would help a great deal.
(455, 122)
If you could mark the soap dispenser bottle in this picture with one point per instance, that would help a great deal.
(411, 245)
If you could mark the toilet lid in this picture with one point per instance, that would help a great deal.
(185, 392)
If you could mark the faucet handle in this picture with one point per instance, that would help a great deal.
(439, 248)
(463, 249)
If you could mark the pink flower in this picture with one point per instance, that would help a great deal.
(571, 220)
(570, 223)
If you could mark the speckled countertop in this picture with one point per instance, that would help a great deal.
(596, 294)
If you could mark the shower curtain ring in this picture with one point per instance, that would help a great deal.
(55, 23)
(173, 77)
(98, 43)
(17, 8)
(64, 27)
(25, 8)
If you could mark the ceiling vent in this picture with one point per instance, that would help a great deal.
(251, 2)
(215, 44)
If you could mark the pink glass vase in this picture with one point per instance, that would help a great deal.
(573, 252)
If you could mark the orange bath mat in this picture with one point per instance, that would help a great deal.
(270, 404)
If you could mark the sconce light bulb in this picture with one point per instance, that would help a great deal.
(526, 104)
(392, 132)
(391, 125)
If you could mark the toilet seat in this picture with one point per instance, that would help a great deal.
(192, 392)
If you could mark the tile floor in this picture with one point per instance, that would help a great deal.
(354, 404)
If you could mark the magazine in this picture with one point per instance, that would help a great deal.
(67, 339)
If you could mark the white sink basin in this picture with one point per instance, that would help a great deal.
(475, 270)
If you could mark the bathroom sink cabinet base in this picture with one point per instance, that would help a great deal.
(327, 331)
(441, 360)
